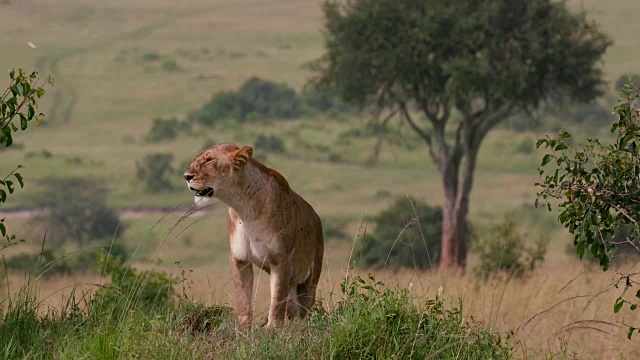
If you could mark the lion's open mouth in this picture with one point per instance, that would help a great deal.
(208, 192)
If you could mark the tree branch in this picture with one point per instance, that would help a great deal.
(423, 134)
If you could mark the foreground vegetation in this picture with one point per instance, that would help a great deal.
(137, 317)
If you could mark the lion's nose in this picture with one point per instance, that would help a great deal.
(189, 176)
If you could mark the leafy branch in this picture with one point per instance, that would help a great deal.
(597, 189)
(22, 92)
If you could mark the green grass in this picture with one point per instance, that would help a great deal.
(370, 321)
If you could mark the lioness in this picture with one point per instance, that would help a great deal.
(269, 226)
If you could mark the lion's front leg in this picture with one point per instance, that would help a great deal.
(279, 286)
(242, 274)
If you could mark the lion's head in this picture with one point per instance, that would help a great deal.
(216, 167)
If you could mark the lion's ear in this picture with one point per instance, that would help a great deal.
(241, 156)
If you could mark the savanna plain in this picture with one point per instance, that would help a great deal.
(120, 64)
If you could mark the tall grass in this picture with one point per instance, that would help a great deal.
(372, 321)
(138, 315)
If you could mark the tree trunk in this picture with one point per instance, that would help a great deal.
(457, 182)
(455, 234)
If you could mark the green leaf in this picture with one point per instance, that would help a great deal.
(3, 196)
(546, 159)
(618, 305)
(23, 122)
(638, 294)
(594, 250)
(19, 177)
(630, 333)
(12, 73)
(8, 139)
(3, 229)
(561, 146)
(9, 185)
(625, 139)
(633, 307)
(31, 112)
(580, 248)
(604, 262)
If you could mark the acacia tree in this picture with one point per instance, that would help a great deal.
(453, 70)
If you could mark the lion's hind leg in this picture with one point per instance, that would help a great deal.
(307, 290)
(293, 304)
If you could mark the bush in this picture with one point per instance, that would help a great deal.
(377, 322)
(155, 171)
(168, 129)
(269, 143)
(170, 65)
(406, 235)
(503, 251)
(223, 105)
(259, 99)
(269, 100)
(150, 56)
(75, 210)
(333, 228)
(148, 289)
(525, 146)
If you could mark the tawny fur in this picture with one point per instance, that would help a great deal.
(269, 226)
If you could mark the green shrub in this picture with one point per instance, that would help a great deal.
(155, 172)
(150, 56)
(149, 289)
(503, 251)
(75, 210)
(333, 228)
(223, 105)
(377, 322)
(269, 100)
(269, 143)
(259, 99)
(335, 157)
(405, 235)
(168, 129)
(256, 99)
(525, 146)
(169, 65)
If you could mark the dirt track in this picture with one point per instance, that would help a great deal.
(132, 213)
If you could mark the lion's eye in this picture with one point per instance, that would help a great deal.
(211, 161)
